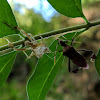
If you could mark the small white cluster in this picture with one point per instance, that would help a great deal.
(40, 50)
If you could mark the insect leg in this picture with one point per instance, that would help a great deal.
(73, 39)
(10, 44)
(55, 52)
(70, 41)
(25, 54)
(32, 37)
(93, 56)
(28, 57)
(50, 57)
(86, 50)
(23, 32)
(19, 29)
(41, 38)
(35, 39)
(64, 37)
(16, 49)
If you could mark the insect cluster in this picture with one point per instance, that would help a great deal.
(38, 49)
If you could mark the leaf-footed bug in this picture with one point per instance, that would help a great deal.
(74, 55)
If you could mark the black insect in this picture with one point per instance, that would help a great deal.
(75, 56)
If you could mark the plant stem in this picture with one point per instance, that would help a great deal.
(51, 33)
(86, 20)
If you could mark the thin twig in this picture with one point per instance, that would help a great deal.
(55, 32)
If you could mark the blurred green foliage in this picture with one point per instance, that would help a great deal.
(13, 91)
(32, 22)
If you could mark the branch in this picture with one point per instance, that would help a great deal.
(51, 33)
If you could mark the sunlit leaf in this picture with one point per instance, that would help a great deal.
(6, 16)
(6, 63)
(97, 63)
(70, 8)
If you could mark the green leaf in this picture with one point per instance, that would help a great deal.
(6, 16)
(97, 63)
(6, 63)
(42, 78)
(69, 8)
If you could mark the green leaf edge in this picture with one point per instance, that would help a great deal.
(49, 75)
(15, 53)
(7, 62)
(96, 61)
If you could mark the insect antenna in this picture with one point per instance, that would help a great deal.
(19, 29)
(73, 38)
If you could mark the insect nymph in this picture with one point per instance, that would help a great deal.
(74, 56)
(38, 49)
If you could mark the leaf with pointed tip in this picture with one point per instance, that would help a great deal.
(69, 8)
(97, 63)
(6, 63)
(6, 16)
(41, 80)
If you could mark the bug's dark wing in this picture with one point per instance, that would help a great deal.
(76, 58)
(81, 61)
